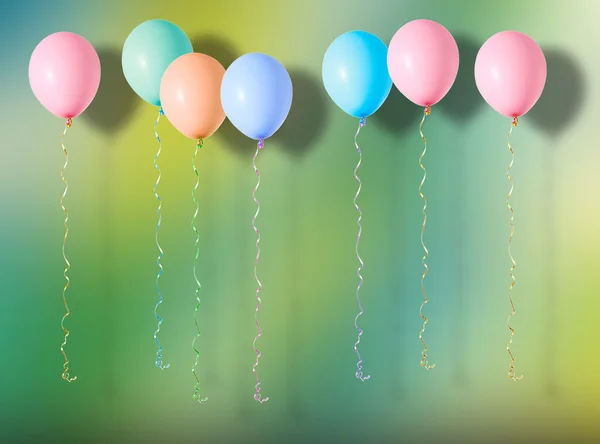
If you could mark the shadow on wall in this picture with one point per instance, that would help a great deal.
(308, 116)
(463, 101)
(115, 102)
(217, 47)
(563, 97)
(397, 115)
(558, 108)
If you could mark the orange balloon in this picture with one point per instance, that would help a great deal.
(190, 95)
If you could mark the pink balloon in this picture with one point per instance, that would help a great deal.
(64, 74)
(510, 73)
(423, 61)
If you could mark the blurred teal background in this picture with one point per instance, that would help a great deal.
(308, 226)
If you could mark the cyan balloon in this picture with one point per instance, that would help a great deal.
(256, 95)
(148, 52)
(355, 73)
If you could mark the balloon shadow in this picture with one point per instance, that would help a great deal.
(217, 47)
(558, 108)
(115, 102)
(308, 115)
(397, 113)
(563, 96)
(463, 100)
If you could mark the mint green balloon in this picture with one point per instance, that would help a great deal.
(148, 51)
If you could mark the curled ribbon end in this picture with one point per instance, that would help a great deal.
(258, 397)
(359, 375)
(511, 371)
(160, 365)
(199, 399)
(67, 377)
(426, 365)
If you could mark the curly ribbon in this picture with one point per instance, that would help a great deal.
(424, 362)
(511, 367)
(159, 356)
(257, 394)
(65, 375)
(196, 396)
(359, 372)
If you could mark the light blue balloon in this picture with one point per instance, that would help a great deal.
(256, 95)
(355, 73)
(148, 52)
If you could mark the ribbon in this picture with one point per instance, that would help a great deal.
(511, 366)
(257, 395)
(196, 396)
(65, 375)
(424, 362)
(159, 356)
(359, 372)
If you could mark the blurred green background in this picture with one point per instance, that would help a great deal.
(308, 225)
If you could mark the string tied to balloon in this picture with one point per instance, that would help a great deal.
(65, 374)
(424, 362)
(196, 396)
(511, 365)
(159, 353)
(359, 368)
(257, 395)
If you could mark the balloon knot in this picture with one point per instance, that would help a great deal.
(261, 144)
(363, 121)
(69, 122)
(199, 143)
(515, 121)
(161, 111)
(428, 110)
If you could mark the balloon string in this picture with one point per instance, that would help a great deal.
(65, 375)
(359, 368)
(511, 368)
(196, 395)
(159, 356)
(424, 362)
(257, 394)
